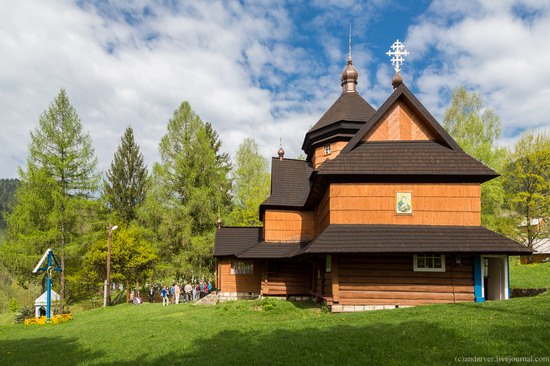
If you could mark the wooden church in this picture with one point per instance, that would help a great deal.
(384, 212)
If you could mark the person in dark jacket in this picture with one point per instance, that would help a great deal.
(151, 294)
(164, 293)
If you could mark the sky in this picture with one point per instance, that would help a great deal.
(259, 68)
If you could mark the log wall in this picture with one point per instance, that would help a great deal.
(289, 226)
(390, 280)
(432, 204)
(238, 282)
(399, 123)
(321, 283)
(285, 278)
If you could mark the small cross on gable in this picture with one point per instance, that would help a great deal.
(397, 53)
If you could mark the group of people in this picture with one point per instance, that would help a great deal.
(135, 297)
(176, 293)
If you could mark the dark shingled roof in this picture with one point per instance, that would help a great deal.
(244, 242)
(348, 107)
(271, 250)
(289, 183)
(412, 239)
(410, 158)
(235, 240)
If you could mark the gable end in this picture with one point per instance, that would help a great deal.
(399, 123)
(402, 104)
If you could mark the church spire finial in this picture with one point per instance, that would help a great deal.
(349, 52)
(349, 75)
(281, 152)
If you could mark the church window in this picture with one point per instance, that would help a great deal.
(429, 263)
(242, 267)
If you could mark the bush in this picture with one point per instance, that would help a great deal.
(269, 304)
(24, 312)
(12, 307)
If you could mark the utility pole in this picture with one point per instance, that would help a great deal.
(107, 288)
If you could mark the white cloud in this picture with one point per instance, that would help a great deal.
(494, 48)
(249, 68)
(194, 53)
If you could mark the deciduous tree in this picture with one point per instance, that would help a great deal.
(133, 257)
(527, 184)
(251, 184)
(476, 129)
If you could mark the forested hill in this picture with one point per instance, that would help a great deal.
(7, 196)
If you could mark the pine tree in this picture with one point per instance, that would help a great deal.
(223, 160)
(8, 187)
(126, 182)
(60, 172)
(194, 190)
(251, 184)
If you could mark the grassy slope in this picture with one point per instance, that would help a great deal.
(244, 333)
(529, 275)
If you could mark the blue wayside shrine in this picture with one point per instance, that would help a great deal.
(51, 266)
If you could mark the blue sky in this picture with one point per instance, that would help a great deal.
(266, 69)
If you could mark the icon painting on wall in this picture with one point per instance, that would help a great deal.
(403, 203)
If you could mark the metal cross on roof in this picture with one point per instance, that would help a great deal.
(397, 55)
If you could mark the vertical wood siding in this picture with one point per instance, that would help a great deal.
(323, 214)
(432, 204)
(240, 282)
(289, 226)
(399, 124)
(319, 155)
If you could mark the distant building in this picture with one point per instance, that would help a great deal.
(384, 212)
(541, 246)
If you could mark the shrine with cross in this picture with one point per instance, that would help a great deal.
(48, 264)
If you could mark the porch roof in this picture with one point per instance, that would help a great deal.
(271, 250)
(247, 243)
(235, 240)
(412, 239)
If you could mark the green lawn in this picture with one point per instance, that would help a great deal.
(283, 333)
(529, 275)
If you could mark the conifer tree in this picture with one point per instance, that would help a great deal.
(193, 190)
(7, 197)
(126, 182)
(60, 172)
(223, 160)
